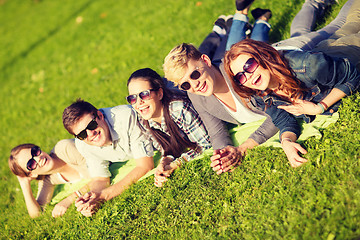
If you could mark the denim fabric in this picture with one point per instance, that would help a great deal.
(319, 74)
(303, 24)
(210, 44)
(238, 29)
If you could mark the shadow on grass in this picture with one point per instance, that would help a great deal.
(52, 32)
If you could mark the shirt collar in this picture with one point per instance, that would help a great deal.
(156, 125)
(113, 134)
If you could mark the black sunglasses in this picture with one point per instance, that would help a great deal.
(91, 126)
(250, 66)
(196, 74)
(32, 163)
(144, 95)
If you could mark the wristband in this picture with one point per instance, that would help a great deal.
(183, 158)
(288, 139)
(77, 193)
(324, 105)
(169, 156)
(177, 162)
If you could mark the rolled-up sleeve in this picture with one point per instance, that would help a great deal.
(285, 121)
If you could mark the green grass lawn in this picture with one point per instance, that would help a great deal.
(56, 51)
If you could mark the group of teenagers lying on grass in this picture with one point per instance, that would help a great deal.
(233, 77)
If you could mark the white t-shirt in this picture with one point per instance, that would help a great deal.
(242, 113)
(128, 142)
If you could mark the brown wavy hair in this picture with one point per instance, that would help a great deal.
(269, 58)
(173, 143)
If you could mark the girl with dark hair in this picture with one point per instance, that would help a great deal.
(174, 126)
(297, 84)
(63, 165)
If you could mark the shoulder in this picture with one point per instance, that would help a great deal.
(119, 116)
(177, 105)
(305, 60)
(66, 150)
(117, 112)
(198, 100)
(63, 144)
(179, 108)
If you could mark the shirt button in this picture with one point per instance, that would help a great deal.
(331, 110)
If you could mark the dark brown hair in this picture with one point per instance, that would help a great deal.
(269, 58)
(75, 111)
(173, 143)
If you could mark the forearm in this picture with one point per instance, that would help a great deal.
(289, 136)
(32, 205)
(248, 144)
(98, 184)
(334, 96)
(116, 189)
(265, 131)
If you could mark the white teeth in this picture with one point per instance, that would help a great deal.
(256, 80)
(44, 161)
(143, 108)
(202, 88)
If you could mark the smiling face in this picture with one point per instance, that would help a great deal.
(259, 79)
(45, 164)
(148, 109)
(201, 77)
(100, 136)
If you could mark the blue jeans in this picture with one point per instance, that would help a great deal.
(210, 44)
(237, 33)
(260, 31)
(302, 36)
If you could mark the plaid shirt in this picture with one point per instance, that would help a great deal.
(188, 120)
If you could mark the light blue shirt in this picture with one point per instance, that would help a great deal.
(128, 142)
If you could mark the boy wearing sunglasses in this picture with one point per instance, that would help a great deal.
(104, 136)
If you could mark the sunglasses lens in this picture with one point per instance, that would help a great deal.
(250, 65)
(195, 75)
(240, 78)
(82, 135)
(92, 125)
(35, 151)
(31, 164)
(145, 95)
(185, 86)
(131, 99)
